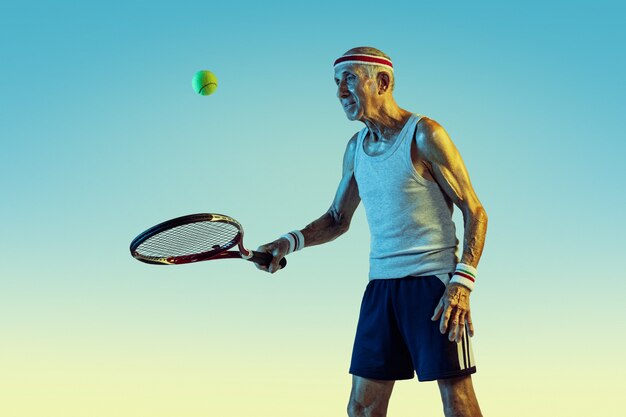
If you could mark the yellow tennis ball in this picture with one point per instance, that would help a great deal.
(204, 82)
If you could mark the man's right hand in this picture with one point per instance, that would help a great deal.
(278, 249)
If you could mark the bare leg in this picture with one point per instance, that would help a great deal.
(458, 397)
(369, 397)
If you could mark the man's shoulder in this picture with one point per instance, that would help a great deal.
(429, 133)
(350, 153)
(428, 127)
(352, 142)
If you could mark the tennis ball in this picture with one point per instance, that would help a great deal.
(204, 82)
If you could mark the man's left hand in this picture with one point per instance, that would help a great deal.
(454, 310)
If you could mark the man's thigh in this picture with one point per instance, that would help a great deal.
(369, 394)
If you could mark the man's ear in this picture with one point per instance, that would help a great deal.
(383, 81)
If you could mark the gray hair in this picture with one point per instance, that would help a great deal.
(372, 71)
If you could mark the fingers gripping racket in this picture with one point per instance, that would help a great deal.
(194, 238)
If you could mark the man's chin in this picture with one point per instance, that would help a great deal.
(351, 116)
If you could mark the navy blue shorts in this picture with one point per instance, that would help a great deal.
(396, 337)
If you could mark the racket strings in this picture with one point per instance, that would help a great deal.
(190, 239)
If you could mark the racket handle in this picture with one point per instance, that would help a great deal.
(265, 259)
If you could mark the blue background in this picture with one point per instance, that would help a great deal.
(102, 136)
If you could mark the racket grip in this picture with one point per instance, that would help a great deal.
(265, 259)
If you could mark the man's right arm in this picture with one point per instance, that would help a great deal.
(331, 224)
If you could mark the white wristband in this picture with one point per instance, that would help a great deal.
(292, 242)
(465, 275)
(296, 240)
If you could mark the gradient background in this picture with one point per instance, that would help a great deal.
(102, 136)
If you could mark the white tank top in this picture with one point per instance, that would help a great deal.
(410, 218)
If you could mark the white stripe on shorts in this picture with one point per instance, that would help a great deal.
(464, 351)
(460, 351)
(469, 346)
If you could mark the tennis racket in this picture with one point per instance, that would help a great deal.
(194, 238)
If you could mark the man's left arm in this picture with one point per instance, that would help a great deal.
(449, 171)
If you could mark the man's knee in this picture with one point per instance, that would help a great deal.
(459, 406)
(356, 409)
(458, 397)
(369, 397)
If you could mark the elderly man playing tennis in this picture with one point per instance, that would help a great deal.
(415, 314)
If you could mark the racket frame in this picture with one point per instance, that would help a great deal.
(222, 253)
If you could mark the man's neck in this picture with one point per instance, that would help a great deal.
(387, 121)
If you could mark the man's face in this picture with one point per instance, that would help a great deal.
(354, 90)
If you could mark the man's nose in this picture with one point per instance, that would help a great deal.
(342, 90)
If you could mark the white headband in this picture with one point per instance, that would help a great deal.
(364, 59)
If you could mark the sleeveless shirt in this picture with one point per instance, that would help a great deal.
(410, 218)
